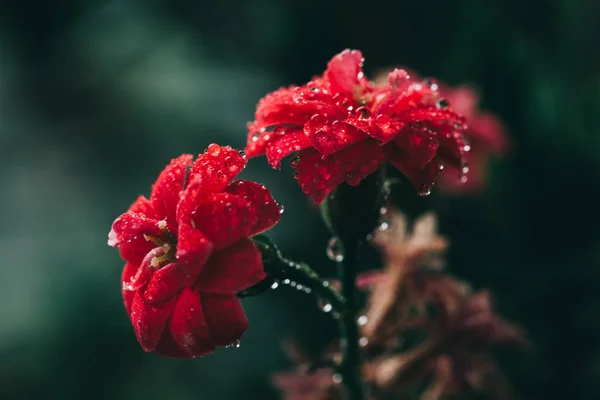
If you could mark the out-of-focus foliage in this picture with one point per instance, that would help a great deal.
(96, 97)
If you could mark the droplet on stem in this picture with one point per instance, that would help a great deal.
(327, 307)
(362, 320)
(334, 250)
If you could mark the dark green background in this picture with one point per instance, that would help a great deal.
(97, 96)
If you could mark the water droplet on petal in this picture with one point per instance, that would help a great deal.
(363, 341)
(327, 307)
(280, 208)
(442, 103)
(362, 320)
(431, 84)
(242, 153)
(334, 250)
(275, 285)
(255, 136)
(214, 149)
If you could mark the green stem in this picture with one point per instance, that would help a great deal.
(302, 274)
(350, 366)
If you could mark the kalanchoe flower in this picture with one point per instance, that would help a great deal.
(345, 128)
(187, 253)
(486, 135)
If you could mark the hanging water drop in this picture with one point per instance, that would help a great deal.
(334, 250)
(236, 344)
(275, 285)
(327, 307)
(280, 208)
(424, 190)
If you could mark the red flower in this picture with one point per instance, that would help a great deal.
(345, 128)
(188, 253)
(486, 137)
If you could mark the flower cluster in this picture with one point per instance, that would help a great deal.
(189, 256)
(187, 253)
(344, 128)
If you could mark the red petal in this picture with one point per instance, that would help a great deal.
(143, 206)
(188, 325)
(422, 179)
(149, 320)
(318, 177)
(128, 232)
(224, 218)
(265, 211)
(216, 167)
(210, 174)
(145, 271)
(232, 270)
(169, 280)
(128, 272)
(225, 317)
(282, 146)
(329, 137)
(169, 348)
(344, 71)
(420, 143)
(193, 248)
(165, 191)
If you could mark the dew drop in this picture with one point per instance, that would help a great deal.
(255, 136)
(326, 283)
(275, 285)
(385, 223)
(281, 209)
(334, 250)
(467, 148)
(337, 378)
(431, 84)
(442, 103)
(327, 308)
(424, 190)
(286, 281)
(294, 162)
(299, 287)
(293, 284)
(242, 153)
(363, 341)
(295, 175)
(362, 320)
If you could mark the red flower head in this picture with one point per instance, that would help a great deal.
(188, 253)
(345, 128)
(486, 137)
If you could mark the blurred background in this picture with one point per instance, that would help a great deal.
(97, 96)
